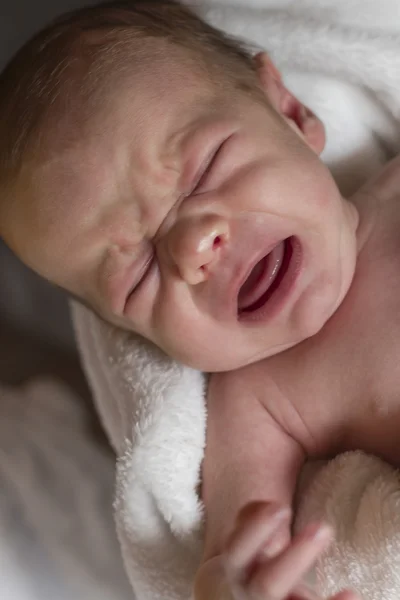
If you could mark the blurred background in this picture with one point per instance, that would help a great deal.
(57, 535)
(35, 330)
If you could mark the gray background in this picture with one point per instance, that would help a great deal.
(35, 331)
(57, 533)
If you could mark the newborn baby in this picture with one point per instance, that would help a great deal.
(155, 170)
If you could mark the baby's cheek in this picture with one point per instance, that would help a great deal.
(323, 189)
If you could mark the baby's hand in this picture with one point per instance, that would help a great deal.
(260, 562)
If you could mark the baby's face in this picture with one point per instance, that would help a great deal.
(210, 228)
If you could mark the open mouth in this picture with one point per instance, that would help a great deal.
(265, 278)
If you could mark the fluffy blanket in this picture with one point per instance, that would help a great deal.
(341, 57)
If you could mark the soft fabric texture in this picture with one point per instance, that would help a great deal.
(360, 496)
(342, 58)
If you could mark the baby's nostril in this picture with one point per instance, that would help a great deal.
(217, 242)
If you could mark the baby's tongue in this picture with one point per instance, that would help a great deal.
(261, 278)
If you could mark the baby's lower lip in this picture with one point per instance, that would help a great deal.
(272, 291)
(254, 291)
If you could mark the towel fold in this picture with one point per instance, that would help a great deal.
(360, 496)
(342, 58)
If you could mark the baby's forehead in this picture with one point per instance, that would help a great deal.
(79, 172)
(65, 214)
(58, 192)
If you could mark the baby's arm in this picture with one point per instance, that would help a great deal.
(249, 475)
(249, 459)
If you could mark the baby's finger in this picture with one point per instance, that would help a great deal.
(305, 592)
(277, 578)
(256, 525)
(346, 595)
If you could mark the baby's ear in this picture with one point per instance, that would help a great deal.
(298, 115)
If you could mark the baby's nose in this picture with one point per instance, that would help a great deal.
(195, 244)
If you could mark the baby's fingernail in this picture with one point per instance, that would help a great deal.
(282, 514)
(280, 535)
(318, 531)
(275, 515)
(275, 545)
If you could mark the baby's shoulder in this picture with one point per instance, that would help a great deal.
(249, 389)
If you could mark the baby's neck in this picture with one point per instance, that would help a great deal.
(343, 381)
(367, 208)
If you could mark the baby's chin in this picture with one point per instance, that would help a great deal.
(209, 361)
(222, 361)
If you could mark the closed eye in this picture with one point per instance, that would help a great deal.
(206, 171)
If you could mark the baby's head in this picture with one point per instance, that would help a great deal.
(155, 170)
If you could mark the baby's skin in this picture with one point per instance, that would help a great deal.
(335, 391)
(175, 220)
(256, 565)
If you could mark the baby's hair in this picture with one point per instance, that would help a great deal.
(71, 67)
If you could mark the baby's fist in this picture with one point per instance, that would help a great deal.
(261, 562)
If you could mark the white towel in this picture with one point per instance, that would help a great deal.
(341, 57)
(360, 496)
